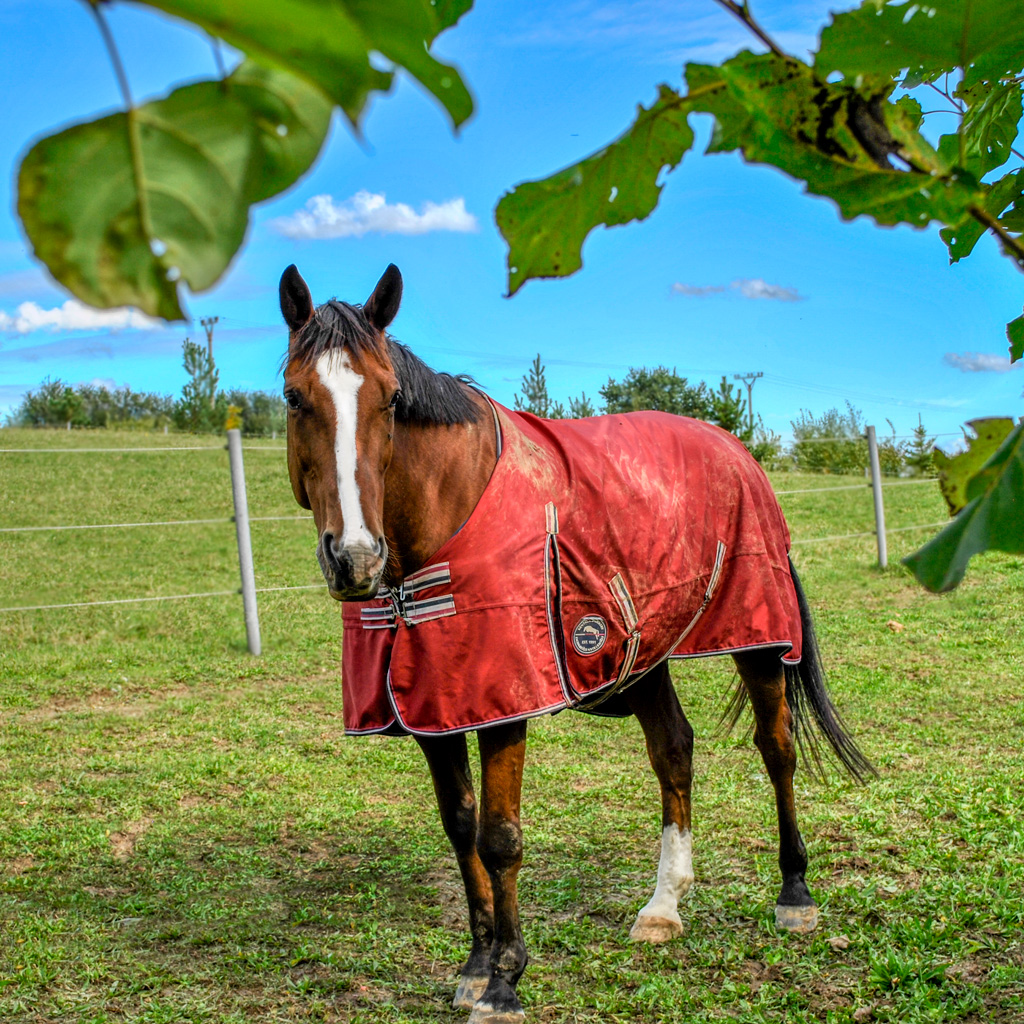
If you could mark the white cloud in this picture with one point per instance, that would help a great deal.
(693, 289)
(370, 211)
(749, 288)
(978, 362)
(758, 288)
(72, 316)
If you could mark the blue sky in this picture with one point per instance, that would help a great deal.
(736, 270)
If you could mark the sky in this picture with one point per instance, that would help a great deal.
(737, 270)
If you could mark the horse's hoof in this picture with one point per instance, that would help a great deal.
(796, 919)
(648, 928)
(484, 1013)
(471, 988)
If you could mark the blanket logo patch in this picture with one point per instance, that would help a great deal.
(589, 634)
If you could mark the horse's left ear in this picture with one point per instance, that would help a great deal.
(382, 306)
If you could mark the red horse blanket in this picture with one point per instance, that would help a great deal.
(599, 548)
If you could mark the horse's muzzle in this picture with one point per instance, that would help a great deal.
(352, 573)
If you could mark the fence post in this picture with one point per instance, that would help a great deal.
(252, 621)
(876, 488)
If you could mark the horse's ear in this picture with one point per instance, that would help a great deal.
(382, 306)
(296, 301)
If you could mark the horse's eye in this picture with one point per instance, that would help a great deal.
(394, 399)
(293, 398)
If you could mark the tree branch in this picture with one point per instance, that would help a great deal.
(1011, 246)
(742, 11)
(115, 57)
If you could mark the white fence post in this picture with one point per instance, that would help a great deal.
(876, 487)
(252, 621)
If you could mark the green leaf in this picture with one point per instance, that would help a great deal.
(329, 44)
(987, 131)
(450, 11)
(927, 39)
(836, 138)
(956, 471)
(1015, 336)
(120, 208)
(991, 520)
(962, 237)
(545, 222)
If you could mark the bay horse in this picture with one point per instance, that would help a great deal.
(579, 556)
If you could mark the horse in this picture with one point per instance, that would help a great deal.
(418, 482)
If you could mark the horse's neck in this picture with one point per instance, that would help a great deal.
(436, 477)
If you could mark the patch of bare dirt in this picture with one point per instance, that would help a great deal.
(122, 844)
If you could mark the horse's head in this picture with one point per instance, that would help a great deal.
(342, 390)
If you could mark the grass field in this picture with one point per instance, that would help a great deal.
(186, 835)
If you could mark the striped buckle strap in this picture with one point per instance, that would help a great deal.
(412, 610)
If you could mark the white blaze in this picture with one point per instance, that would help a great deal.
(675, 873)
(343, 383)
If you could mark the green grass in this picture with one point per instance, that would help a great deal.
(187, 836)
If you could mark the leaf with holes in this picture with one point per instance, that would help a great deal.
(962, 237)
(834, 137)
(1015, 336)
(120, 208)
(956, 471)
(991, 519)
(927, 39)
(329, 44)
(546, 222)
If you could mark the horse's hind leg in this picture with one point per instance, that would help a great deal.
(453, 785)
(670, 748)
(763, 676)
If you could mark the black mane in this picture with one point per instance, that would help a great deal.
(428, 398)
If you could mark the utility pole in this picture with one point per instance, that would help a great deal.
(748, 379)
(209, 322)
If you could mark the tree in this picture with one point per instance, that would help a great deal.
(533, 394)
(830, 443)
(921, 451)
(728, 410)
(661, 388)
(847, 126)
(533, 397)
(200, 409)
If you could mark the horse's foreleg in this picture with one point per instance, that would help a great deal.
(453, 785)
(500, 843)
(670, 748)
(763, 676)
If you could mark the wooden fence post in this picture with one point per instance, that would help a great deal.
(252, 621)
(876, 488)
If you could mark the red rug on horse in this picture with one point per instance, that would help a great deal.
(599, 548)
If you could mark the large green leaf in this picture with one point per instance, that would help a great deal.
(880, 38)
(330, 44)
(834, 137)
(957, 471)
(991, 519)
(545, 222)
(121, 208)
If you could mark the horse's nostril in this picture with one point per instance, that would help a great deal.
(332, 553)
(380, 548)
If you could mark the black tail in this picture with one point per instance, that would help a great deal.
(809, 702)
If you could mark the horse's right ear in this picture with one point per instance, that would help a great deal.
(296, 301)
